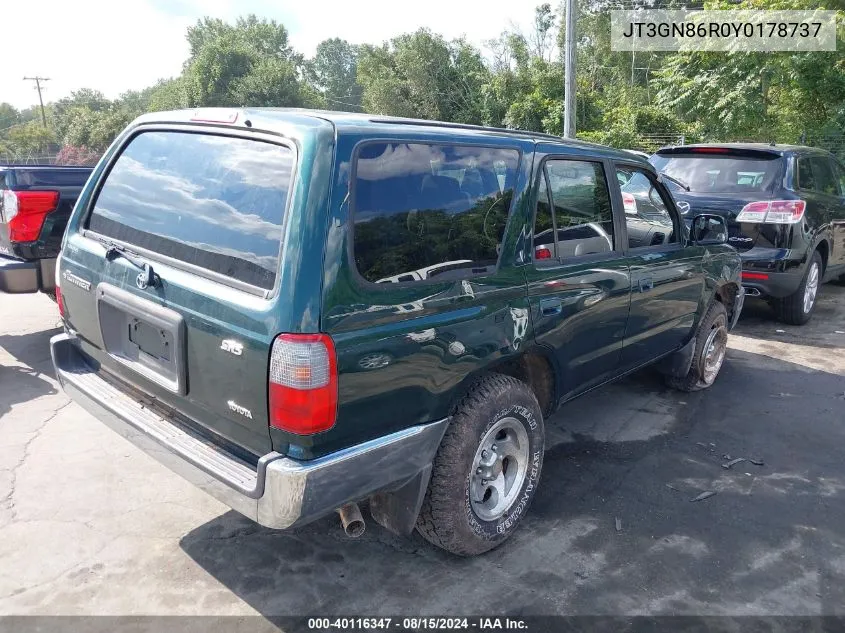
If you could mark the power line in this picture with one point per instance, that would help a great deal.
(38, 81)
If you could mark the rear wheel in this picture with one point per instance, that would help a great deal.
(487, 468)
(711, 344)
(797, 308)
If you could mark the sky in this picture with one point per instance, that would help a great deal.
(119, 45)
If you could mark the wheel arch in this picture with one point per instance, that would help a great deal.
(823, 249)
(535, 366)
(726, 294)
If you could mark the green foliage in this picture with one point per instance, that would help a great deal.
(424, 76)
(27, 139)
(248, 63)
(334, 73)
(519, 83)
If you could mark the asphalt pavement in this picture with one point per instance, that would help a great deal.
(91, 525)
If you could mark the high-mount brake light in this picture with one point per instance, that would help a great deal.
(210, 116)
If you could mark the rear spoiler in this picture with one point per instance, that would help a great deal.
(715, 150)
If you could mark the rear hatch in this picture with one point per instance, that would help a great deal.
(170, 278)
(722, 180)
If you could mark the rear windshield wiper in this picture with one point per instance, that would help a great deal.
(680, 183)
(147, 278)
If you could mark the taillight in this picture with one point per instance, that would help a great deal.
(773, 212)
(543, 253)
(629, 203)
(59, 301)
(303, 383)
(58, 286)
(25, 211)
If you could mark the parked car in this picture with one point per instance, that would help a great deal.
(785, 207)
(35, 204)
(227, 308)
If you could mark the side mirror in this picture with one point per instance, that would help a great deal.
(709, 229)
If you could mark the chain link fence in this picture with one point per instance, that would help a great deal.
(27, 159)
(834, 143)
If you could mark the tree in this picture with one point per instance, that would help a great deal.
(334, 73)
(245, 64)
(168, 94)
(9, 116)
(542, 36)
(422, 75)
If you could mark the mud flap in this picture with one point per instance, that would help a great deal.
(678, 364)
(397, 510)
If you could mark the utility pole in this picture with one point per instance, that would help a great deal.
(38, 81)
(569, 61)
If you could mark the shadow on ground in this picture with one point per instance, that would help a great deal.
(25, 381)
(771, 541)
(826, 328)
(31, 349)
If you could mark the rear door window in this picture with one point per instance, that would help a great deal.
(424, 211)
(825, 179)
(216, 202)
(840, 177)
(647, 216)
(581, 212)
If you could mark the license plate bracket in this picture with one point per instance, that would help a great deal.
(143, 336)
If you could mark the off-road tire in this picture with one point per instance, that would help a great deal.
(716, 316)
(790, 309)
(447, 518)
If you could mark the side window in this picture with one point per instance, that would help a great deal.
(545, 244)
(426, 210)
(580, 203)
(647, 215)
(806, 180)
(840, 176)
(825, 181)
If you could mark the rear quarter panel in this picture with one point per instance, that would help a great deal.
(405, 351)
(721, 265)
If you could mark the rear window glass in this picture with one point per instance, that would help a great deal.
(213, 201)
(719, 174)
(424, 210)
(51, 177)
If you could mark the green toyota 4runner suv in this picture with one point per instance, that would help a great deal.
(301, 311)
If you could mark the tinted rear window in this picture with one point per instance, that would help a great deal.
(213, 201)
(720, 174)
(427, 210)
(50, 177)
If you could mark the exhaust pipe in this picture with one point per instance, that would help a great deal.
(352, 521)
(752, 292)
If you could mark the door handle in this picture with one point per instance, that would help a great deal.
(646, 284)
(550, 307)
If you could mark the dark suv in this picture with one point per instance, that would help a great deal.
(785, 208)
(299, 311)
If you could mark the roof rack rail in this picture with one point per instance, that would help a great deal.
(465, 126)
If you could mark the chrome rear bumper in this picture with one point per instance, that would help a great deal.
(281, 492)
